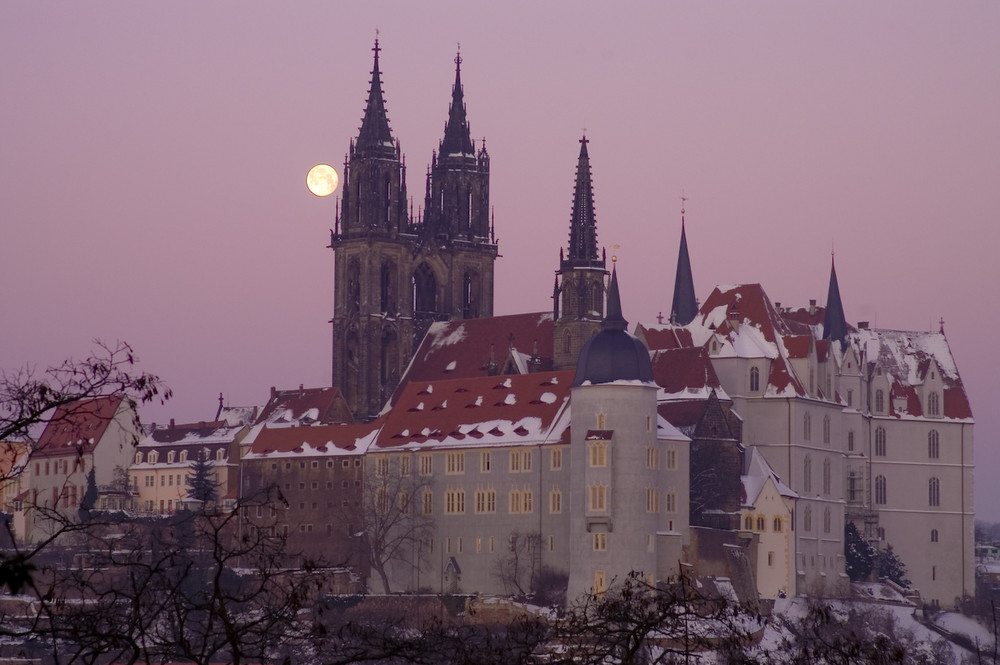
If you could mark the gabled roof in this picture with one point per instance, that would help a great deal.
(755, 477)
(493, 410)
(905, 357)
(305, 406)
(78, 427)
(462, 349)
(315, 440)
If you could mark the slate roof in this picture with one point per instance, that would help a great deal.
(77, 427)
(755, 477)
(462, 349)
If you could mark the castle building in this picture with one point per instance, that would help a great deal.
(396, 275)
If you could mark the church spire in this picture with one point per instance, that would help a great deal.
(457, 136)
(583, 228)
(614, 319)
(375, 135)
(685, 306)
(834, 322)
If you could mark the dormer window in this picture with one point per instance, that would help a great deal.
(184, 456)
(220, 454)
(138, 458)
(153, 456)
(170, 457)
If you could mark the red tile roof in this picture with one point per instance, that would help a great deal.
(680, 370)
(459, 349)
(317, 439)
(306, 406)
(494, 409)
(77, 427)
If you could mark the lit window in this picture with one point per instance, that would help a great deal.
(555, 501)
(454, 463)
(598, 454)
(598, 498)
(555, 459)
(652, 500)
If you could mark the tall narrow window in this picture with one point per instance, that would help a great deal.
(826, 429)
(880, 490)
(806, 426)
(826, 477)
(932, 444)
(754, 380)
(807, 474)
(850, 441)
(933, 405)
(879, 401)
(934, 492)
(879, 442)
(934, 535)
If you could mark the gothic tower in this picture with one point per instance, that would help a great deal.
(578, 297)
(393, 276)
(684, 307)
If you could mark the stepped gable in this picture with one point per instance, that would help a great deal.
(488, 410)
(684, 373)
(906, 357)
(305, 406)
(314, 440)
(463, 349)
(78, 426)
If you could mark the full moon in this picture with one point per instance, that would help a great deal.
(322, 180)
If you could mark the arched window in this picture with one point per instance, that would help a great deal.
(184, 456)
(138, 460)
(748, 523)
(777, 524)
(827, 519)
(470, 294)
(153, 456)
(880, 490)
(807, 474)
(424, 290)
(879, 401)
(807, 519)
(826, 429)
(934, 535)
(826, 476)
(879, 442)
(170, 457)
(933, 405)
(806, 426)
(387, 288)
(760, 523)
(933, 450)
(220, 454)
(934, 492)
(754, 380)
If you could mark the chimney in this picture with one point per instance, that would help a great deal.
(272, 392)
(812, 306)
(171, 423)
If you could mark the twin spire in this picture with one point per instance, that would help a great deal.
(375, 136)
(457, 135)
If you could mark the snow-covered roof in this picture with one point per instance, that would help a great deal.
(77, 426)
(756, 475)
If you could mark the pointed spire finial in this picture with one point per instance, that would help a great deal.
(583, 227)
(684, 307)
(834, 321)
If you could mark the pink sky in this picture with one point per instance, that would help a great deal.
(153, 160)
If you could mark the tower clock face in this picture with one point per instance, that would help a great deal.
(322, 180)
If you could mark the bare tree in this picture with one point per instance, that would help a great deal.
(517, 568)
(397, 520)
(202, 587)
(29, 398)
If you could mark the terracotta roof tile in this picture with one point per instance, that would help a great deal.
(77, 426)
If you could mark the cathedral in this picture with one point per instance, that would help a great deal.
(738, 438)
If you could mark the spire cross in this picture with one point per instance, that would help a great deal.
(458, 58)
(683, 201)
(376, 48)
(584, 139)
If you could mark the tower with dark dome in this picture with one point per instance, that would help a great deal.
(629, 493)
